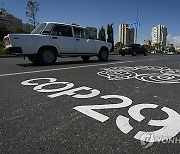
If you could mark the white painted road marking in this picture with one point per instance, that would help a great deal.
(71, 92)
(68, 68)
(28, 82)
(66, 90)
(89, 109)
(135, 110)
(123, 124)
(170, 128)
(162, 75)
(39, 88)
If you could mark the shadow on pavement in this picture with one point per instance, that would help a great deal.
(65, 63)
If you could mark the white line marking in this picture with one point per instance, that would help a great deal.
(68, 68)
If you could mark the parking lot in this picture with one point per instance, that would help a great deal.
(91, 107)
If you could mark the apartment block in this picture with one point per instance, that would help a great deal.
(159, 36)
(126, 35)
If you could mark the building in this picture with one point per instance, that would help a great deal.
(147, 42)
(92, 31)
(126, 35)
(159, 36)
(178, 49)
(13, 23)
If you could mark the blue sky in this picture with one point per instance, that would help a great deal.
(99, 13)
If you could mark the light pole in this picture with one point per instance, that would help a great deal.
(137, 15)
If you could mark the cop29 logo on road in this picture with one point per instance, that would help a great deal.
(153, 74)
(169, 127)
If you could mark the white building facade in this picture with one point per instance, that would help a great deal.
(159, 36)
(126, 35)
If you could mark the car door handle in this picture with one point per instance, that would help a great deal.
(77, 39)
(54, 37)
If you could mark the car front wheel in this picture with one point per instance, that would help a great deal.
(145, 53)
(103, 55)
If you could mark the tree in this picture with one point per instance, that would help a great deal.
(118, 45)
(172, 48)
(102, 34)
(157, 47)
(110, 35)
(32, 9)
(3, 31)
(19, 30)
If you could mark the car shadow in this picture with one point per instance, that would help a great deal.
(65, 63)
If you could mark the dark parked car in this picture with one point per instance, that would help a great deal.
(133, 50)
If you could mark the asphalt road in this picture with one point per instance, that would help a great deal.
(93, 107)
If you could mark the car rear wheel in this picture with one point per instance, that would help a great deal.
(145, 53)
(134, 53)
(47, 56)
(103, 55)
(85, 58)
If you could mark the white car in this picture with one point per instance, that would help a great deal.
(51, 40)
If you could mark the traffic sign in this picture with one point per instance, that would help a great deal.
(134, 25)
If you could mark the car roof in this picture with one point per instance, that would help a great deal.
(135, 44)
(70, 24)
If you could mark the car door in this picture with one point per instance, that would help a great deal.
(62, 37)
(141, 49)
(84, 42)
(138, 48)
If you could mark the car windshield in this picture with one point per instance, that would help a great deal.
(38, 29)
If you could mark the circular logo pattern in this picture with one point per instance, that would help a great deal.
(153, 74)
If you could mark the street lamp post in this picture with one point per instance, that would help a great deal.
(137, 15)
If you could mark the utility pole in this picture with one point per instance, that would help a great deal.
(137, 16)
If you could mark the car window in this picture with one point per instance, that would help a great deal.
(139, 46)
(39, 29)
(81, 33)
(60, 30)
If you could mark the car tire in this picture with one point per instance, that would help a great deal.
(145, 53)
(134, 53)
(85, 58)
(47, 56)
(103, 55)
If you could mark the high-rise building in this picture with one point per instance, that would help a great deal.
(159, 36)
(126, 35)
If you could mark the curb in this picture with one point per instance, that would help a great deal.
(7, 56)
(10, 56)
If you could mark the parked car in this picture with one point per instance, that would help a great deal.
(51, 40)
(170, 53)
(133, 50)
